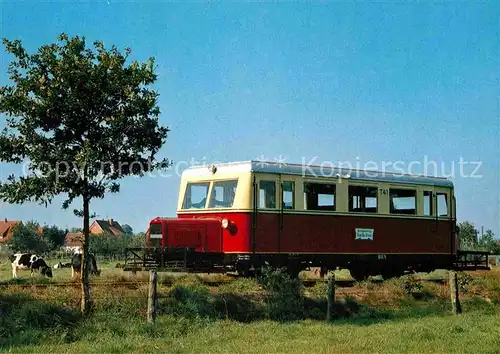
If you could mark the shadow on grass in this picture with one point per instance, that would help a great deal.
(198, 302)
(346, 309)
(25, 320)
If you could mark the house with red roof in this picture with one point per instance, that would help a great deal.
(7, 229)
(110, 227)
(73, 241)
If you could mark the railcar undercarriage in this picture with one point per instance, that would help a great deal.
(360, 266)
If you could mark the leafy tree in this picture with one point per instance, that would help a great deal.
(128, 229)
(54, 236)
(28, 238)
(467, 235)
(137, 241)
(488, 242)
(83, 118)
(108, 245)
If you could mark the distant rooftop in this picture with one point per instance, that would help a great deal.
(6, 229)
(111, 227)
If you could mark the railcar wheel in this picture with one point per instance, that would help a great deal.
(245, 271)
(392, 273)
(323, 271)
(293, 270)
(358, 274)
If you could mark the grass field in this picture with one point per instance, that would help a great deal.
(217, 314)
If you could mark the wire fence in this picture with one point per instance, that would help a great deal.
(341, 287)
(71, 284)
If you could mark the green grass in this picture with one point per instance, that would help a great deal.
(214, 314)
(469, 333)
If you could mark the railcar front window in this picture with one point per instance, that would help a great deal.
(223, 193)
(196, 195)
(442, 204)
(427, 203)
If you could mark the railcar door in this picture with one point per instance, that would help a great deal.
(437, 207)
(266, 214)
(289, 226)
(429, 234)
(455, 236)
(445, 222)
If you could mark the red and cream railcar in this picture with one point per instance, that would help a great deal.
(239, 216)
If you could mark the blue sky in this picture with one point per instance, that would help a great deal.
(321, 81)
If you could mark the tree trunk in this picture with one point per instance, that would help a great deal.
(86, 303)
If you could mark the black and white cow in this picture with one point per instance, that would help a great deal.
(62, 265)
(25, 261)
(76, 265)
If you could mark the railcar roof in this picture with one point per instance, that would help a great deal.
(319, 171)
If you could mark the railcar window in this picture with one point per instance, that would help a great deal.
(196, 195)
(403, 201)
(288, 195)
(363, 199)
(267, 194)
(442, 204)
(319, 196)
(427, 203)
(223, 193)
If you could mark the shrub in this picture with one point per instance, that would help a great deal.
(464, 280)
(284, 300)
(197, 302)
(412, 285)
(190, 301)
(237, 307)
(240, 285)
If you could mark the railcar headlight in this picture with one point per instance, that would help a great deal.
(225, 223)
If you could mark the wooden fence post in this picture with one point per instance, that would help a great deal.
(455, 301)
(152, 296)
(330, 298)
